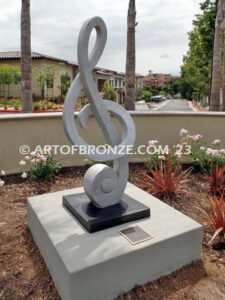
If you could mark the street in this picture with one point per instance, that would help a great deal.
(168, 105)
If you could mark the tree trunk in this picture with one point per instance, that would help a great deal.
(223, 91)
(130, 58)
(26, 61)
(217, 53)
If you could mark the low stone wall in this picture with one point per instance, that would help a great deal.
(46, 129)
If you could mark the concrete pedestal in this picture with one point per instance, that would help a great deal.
(101, 265)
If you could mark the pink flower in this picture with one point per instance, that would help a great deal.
(216, 142)
(27, 157)
(33, 161)
(38, 155)
(43, 158)
(209, 151)
(202, 148)
(184, 144)
(22, 163)
(33, 153)
(183, 132)
(215, 152)
(190, 136)
(196, 137)
(161, 157)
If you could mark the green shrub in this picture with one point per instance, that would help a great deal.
(41, 166)
(202, 153)
(36, 106)
(16, 105)
(146, 95)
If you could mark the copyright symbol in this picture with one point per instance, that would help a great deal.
(24, 149)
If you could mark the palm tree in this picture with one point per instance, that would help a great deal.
(223, 85)
(130, 58)
(217, 51)
(26, 68)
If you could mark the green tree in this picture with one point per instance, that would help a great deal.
(50, 72)
(108, 91)
(146, 95)
(8, 75)
(197, 63)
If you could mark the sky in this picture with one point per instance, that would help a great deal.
(161, 33)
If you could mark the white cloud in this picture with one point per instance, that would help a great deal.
(162, 30)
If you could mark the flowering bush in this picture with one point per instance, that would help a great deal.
(41, 166)
(157, 159)
(2, 182)
(162, 158)
(202, 153)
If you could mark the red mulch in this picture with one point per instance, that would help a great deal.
(24, 275)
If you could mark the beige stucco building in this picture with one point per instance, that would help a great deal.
(39, 61)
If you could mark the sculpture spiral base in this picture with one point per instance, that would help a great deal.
(96, 219)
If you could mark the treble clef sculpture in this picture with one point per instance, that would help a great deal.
(103, 185)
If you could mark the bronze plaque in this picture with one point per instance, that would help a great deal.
(135, 234)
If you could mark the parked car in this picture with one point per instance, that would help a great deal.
(157, 99)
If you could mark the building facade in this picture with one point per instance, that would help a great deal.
(59, 66)
(156, 79)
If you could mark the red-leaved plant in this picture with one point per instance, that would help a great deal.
(215, 217)
(163, 182)
(216, 179)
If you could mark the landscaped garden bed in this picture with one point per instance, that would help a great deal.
(24, 275)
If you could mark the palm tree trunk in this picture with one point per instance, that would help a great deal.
(26, 62)
(130, 58)
(216, 68)
(223, 72)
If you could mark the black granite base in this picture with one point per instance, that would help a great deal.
(96, 219)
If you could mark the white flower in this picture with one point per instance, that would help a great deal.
(27, 157)
(161, 157)
(24, 175)
(22, 163)
(222, 151)
(2, 182)
(33, 153)
(183, 132)
(178, 154)
(202, 148)
(216, 142)
(2, 172)
(152, 142)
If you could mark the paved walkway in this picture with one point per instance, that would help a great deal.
(175, 105)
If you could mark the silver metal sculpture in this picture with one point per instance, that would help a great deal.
(103, 185)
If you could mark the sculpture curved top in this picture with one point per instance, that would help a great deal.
(103, 185)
